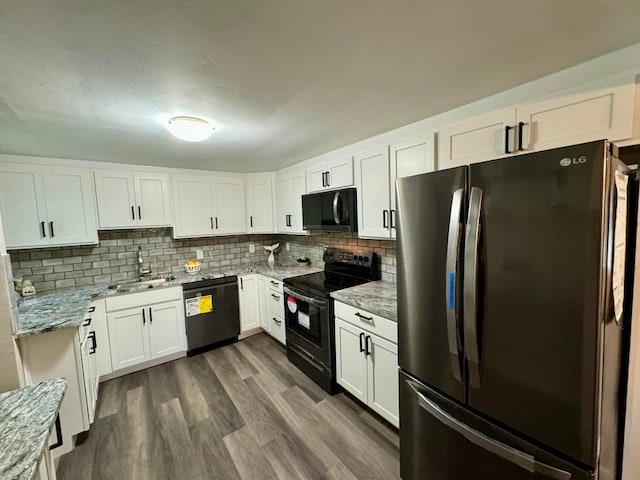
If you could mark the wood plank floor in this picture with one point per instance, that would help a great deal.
(239, 412)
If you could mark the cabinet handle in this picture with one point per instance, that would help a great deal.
(241, 284)
(274, 283)
(385, 220)
(87, 322)
(51, 229)
(277, 297)
(324, 182)
(94, 343)
(216, 222)
(392, 214)
(251, 221)
(144, 317)
(520, 129)
(150, 316)
(139, 213)
(278, 322)
(43, 229)
(506, 139)
(211, 218)
(364, 317)
(367, 349)
(327, 177)
(59, 439)
(133, 213)
(361, 338)
(91, 309)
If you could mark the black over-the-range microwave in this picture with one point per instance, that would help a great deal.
(333, 211)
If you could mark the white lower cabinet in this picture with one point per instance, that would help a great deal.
(271, 309)
(367, 363)
(248, 296)
(145, 326)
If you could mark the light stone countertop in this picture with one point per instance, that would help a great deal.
(26, 418)
(376, 297)
(67, 308)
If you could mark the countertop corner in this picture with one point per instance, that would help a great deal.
(378, 297)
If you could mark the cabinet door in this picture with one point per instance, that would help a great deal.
(408, 158)
(71, 211)
(476, 139)
(340, 173)
(373, 176)
(260, 206)
(116, 199)
(152, 195)
(382, 378)
(263, 304)
(229, 206)
(283, 204)
(578, 118)
(128, 337)
(315, 178)
(192, 207)
(85, 354)
(99, 325)
(298, 188)
(351, 363)
(248, 292)
(23, 206)
(166, 329)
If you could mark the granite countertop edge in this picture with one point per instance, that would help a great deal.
(33, 428)
(67, 308)
(378, 297)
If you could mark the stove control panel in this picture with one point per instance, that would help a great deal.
(335, 255)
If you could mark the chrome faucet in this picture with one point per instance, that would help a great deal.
(141, 270)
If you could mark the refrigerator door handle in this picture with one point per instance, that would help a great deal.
(453, 247)
(513, 455)
(470, 315)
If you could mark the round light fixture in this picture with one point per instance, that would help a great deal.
(190, 129)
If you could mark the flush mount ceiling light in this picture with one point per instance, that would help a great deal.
(190, 129)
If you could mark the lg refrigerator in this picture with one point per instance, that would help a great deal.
(510, 352)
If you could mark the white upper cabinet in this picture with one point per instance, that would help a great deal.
(260, 205)
(132, 199)
(206, 206)
(229, 212)
(334, 174)
(46, 206)
(289, 190)
(476, 139)
(603, 110)
(373, 177)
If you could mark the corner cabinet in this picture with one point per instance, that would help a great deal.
(249, 304)
(290, 187)
(207, 206)
(132, 199)
(376, 174)
(47, 206)
(260, 204)
(367, 359)
(592, 112)
(334, 174)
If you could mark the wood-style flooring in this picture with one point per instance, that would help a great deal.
(238, 412)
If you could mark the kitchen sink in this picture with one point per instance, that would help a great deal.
(140, 284)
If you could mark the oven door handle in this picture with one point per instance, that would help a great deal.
(305, 298)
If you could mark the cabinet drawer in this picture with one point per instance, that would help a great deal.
(383, 327)
(275, 285)
(144, 298)
(276, 304)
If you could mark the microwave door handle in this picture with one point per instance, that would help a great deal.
(337, 216)
(470, 307)
(304, 298)
(453, 247)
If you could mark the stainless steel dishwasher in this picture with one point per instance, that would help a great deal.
(212, 312)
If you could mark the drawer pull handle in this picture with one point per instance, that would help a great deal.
(364, 317)
(275, 283)
(92, 309)
(278, 322)
(277, 297)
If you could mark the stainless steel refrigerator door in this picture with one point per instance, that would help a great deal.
(533, 295)
(442, 440)
(431, 212)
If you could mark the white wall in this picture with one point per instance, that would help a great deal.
(10, 368)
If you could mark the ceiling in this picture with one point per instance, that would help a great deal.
(285, 79)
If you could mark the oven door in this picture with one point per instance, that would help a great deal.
(306, 316)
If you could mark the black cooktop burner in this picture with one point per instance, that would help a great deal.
(324, 282)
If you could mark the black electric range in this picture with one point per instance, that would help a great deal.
(309, 311)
